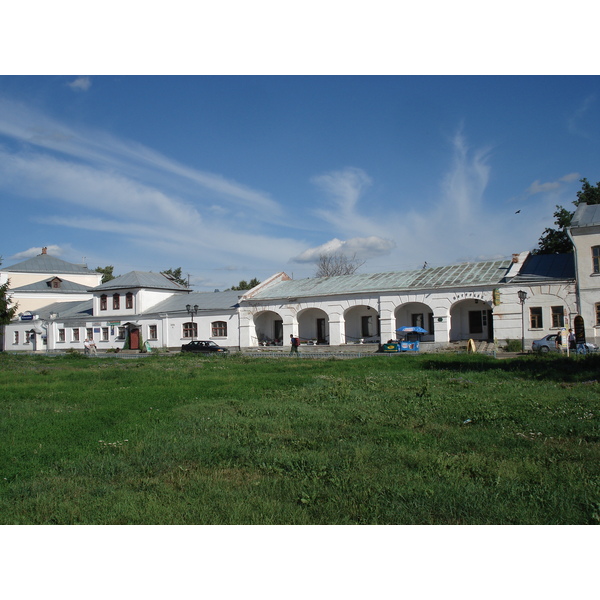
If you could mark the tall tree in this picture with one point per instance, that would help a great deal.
(337, 263)
(107, 273)
(556, 241)
(7, 311)
(246, 285)
(176, 276)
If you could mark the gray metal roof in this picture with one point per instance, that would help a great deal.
(204, 300)
(66, 310)
(140, 279)
(462, 275)
(66, 287)
(546, 267)
(586, 215)
(44, 263)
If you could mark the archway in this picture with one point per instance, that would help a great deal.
(416, 314)
(361, 325)
(313, 325)
(471, 319)
(268, 327)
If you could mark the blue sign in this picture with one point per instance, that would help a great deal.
(26, 317)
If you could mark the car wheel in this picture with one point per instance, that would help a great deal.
(544, 349)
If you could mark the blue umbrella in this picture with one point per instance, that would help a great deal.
(406, 329)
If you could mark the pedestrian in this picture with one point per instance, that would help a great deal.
(93, 347)
(295, 342)
(558, 342)
(572, 344)
(86, 346)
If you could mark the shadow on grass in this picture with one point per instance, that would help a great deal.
(554, 368)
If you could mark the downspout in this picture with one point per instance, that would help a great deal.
(577, 292)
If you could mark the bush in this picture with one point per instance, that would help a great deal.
(513, 346)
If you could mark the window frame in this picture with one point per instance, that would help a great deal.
(128, 300)
(152, 332)
(596, 260)
(103, 302)
(219, 329)
(116, 304)
(75, 334)
(558, 317)
(536, 320)
(190, 330)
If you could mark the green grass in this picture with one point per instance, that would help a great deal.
(421, 439)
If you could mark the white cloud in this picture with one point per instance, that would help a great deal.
(363, 248)
(539, 188)
(81, 84)
(54, 250)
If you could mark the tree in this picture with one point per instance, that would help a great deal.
(7, 312)
(107, 273)
(246, 285)
(337, 263)
(556, 241)
(175, 275)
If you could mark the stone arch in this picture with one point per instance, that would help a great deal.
(268, 328)
(471, 318)
(413, 314)
(313, 325)
(361, 324)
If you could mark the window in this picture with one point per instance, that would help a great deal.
(105, 334)
(417, 320)
(129, 300)
(16, 337)
(219, 329)
(558, 316)
(190, 330)
(61, 335)
(365, 326)
(75, 334)
(56, 284)
(103, 302)
(89, 333)
(116, 301)
(535, 317)
(596, 259)
(598, 314)
(121, 333)
(152, 332)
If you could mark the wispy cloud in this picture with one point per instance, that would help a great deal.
(539, 188)
(576, 122)
(362, 248)
(81, 84)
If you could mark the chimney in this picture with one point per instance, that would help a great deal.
(515, 258)
(44, 250)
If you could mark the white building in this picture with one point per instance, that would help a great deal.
(479, 301)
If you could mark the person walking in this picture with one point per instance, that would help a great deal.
(295, 342)
(572, 344)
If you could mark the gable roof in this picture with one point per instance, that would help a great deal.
(66, 287)
(466, 274)
(140, 279)
(586, 215)
(44, 263)
(66, 310)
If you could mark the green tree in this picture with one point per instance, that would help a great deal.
(7, 311)
(176, 276)
(107, 273)
(246, 285)
(556, 241)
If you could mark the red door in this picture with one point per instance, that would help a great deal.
(134, 340)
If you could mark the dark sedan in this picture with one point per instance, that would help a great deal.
(204, 347)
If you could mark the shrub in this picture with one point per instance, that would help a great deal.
(513, 346)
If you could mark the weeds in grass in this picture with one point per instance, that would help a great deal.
(176, 439)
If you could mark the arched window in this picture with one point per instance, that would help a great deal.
(219, 329)
(116, 301)
(596, 258)
(103, 302)
(129, 300)
(190, 330)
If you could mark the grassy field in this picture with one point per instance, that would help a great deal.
(423, 439)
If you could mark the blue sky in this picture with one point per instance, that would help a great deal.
(234, 177)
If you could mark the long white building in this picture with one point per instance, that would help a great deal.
(526, 296)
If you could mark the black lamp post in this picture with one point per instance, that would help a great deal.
(192, 310)
(522, 297)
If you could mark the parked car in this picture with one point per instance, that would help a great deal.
(548, 344)
(204, 347)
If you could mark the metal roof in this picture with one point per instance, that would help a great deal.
(540, 268)
(65, 310)
(66, 287)
(204, 300)
(140, 279)
(586, 215)
(461, 275)
(44, 263)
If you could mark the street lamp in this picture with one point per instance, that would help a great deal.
(192, 310)
(522, 297)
